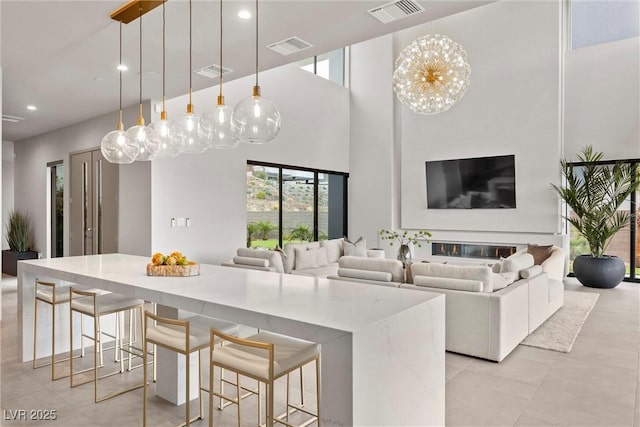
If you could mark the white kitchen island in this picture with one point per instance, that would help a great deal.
(382, 349)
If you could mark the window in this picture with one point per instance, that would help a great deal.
(291, 204)
(330, 66)
(624, 244)
(602, 21)
(56, 208)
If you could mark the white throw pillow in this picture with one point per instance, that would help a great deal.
(517, 262)
(321, 257)
(357, 248)
(334, 249)
(306, 258)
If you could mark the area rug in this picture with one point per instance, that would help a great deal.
(560, 331)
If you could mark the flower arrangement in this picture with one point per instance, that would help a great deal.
(405, 238)
(174, 258)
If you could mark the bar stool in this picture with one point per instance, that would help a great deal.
(96, 306)
(184, 337)
(53, 295)
(264, 357)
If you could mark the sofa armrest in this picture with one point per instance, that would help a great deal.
(556, 265)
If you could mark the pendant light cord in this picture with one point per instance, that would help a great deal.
(190, 43)
(164, 109)
(140, 69)
(256, 42)
(120, 125)
(221, 68)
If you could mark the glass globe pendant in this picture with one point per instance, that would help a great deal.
(171, 140)
(188, 124)
(218, 123)
(256, 119)
(115, 146)
(146, 138)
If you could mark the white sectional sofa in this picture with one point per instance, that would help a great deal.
(488, 313)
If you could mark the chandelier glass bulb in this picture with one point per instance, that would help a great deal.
(256, 119)
(171, 138)
(146, 138)
(431, 74)
(219, 126)
(189, 125)
(117, 148)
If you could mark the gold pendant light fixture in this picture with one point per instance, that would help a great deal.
(115, 146)
(218, 123)
(171, 138)
(189, 123)
(431, 74)
(146, 137)
(256, 119)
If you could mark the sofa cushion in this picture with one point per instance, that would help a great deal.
(540, 253)
(481, 273)
(334, 249)
(375, 253)
(329, 270)
(306, 258)
(256, 262)
(531, 271)
(381, 276)
(502, 280)
(357, 248)
(321, 257)
(392, 266)
(516, 262)
(289, 249)
(467, 285)
(496, 267)
(275, 260)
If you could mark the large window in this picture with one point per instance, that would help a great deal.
(625, 243)
(602, 21)
(292, 204)
(330, 66)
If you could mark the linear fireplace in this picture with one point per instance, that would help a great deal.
(465, 250)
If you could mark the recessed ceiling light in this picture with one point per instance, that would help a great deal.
(122, 67)
(32, 107)
(244, 14)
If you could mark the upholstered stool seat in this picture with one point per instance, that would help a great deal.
(184, 336)
(97, 306)
(264, 357)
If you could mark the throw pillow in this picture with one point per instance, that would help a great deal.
(516, 262)
(306, 258)
(540, 253)
(357, 248)
(321, 257)
(497, 266)
(334, 249)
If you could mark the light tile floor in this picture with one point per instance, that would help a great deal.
(596, 384)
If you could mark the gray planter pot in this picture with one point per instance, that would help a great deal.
(10, 260)
(599, 272)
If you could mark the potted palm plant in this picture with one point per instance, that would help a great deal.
(18, 234)
(595, 191)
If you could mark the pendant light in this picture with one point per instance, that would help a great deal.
(218, 122)
(115, 146)
(256, 119)
(195, 138)
(171, 138)
(146, 137)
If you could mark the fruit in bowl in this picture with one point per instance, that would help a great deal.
(174, 264)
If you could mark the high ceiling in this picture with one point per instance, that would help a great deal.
(61, 55)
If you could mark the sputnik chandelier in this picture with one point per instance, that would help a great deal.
(431, 74)
(254, 120)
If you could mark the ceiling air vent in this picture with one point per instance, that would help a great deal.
(11, 119)
(395, 10)
(289, 46)
(212, 71)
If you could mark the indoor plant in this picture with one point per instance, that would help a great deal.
(404, 239)
(18, 235)
(595, 190)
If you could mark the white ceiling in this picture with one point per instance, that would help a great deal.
(61, 55)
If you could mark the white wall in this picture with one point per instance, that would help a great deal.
(602, 99)
(210, 188)
(32, 156)
(371, 181)
(7, 186)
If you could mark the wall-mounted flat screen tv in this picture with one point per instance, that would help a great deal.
(476, 183)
